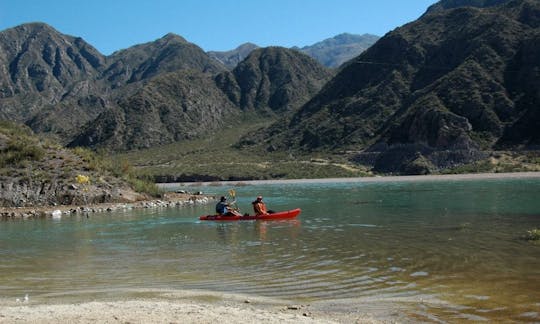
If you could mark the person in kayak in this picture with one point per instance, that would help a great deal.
(224, 208)
(259, 207)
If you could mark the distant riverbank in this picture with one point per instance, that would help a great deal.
(443, 177)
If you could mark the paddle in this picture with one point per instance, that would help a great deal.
(232, 194)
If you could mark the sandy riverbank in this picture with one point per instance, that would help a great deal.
(203, 307)
(445, 177)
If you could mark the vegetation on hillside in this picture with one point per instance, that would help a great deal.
(214, 158)
(18, 146)
(38, 171)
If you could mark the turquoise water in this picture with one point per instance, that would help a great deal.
(449, 249)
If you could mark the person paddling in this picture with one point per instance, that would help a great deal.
(259, 207)
(224, 208)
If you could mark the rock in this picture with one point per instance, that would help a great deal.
(56, 214)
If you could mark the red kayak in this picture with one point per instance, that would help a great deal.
(279, 215)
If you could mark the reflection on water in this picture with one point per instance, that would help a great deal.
(450, 249)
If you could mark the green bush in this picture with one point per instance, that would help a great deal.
(20, 150)
(533, 235)
(476, 167)
(120, 168)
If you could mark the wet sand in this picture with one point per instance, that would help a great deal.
(203, 307)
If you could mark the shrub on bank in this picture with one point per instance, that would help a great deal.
(533, 235)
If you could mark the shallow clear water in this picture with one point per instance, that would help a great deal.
(451, 249)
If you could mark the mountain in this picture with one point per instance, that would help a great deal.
(57, 83)
(167, 54)
(231, 58)
(452, 4)
(170, 107)
(333, 52)
(189, 104)
(434, 93)
(149, 94)
(41, 69)
(460, 81)
(274, 78)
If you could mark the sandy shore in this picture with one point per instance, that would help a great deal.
(445, 177)
(202, 307)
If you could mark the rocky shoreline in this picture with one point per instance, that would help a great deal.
(167, 201)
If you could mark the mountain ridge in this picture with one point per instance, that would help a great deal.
(51, 104)
(396, 99)
(330, 52)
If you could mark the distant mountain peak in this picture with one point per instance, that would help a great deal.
(172, 37)
(231, 58)
(332, 52)
(34, 25)
(247, 45)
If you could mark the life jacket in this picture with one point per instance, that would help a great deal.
(259, 207)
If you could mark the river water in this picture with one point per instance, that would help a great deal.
(449, 250)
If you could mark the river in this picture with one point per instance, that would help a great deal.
(450, 250)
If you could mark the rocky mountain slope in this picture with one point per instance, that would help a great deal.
(189, 104)
(452, 4)
(169, 108)
(57, 84)
(333, 52)
(433, 93)
(275, 79)
(168, 54)
(150, 94)
(49, 80)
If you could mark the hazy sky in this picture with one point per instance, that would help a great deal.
(110, 25)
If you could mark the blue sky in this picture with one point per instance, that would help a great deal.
(110, 25)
